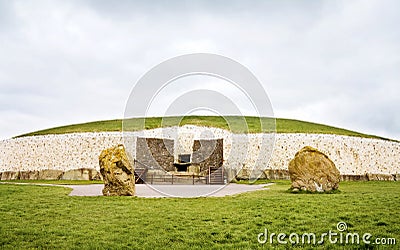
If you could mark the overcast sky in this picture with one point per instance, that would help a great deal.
(332, 62)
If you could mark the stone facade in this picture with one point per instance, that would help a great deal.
(155, 153)
(353, 156)
(208, 153)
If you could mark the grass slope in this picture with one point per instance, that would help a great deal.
(234, 123)
(46, 217)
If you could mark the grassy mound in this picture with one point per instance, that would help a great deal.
(232, 123)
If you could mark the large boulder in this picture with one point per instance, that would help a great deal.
(117, 172)
(311, 170)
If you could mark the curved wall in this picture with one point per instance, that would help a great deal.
(352, 155)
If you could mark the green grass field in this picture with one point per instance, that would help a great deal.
(46, 217)
(234, 123)
(54, 182)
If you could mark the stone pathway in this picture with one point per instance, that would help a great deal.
(158, 191)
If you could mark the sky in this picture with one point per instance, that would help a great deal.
(331, 62)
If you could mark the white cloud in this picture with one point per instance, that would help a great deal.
(332, 62)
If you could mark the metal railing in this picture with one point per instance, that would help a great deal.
(170, 178)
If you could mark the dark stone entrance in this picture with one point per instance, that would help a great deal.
(155, 162)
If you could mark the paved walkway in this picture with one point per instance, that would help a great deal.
(156, 191)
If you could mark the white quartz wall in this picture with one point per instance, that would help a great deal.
(352, 155)
(58, 152)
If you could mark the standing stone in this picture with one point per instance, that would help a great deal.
(311, 170)
(117, 172)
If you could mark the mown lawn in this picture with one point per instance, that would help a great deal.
(46, 217)
(54, 182)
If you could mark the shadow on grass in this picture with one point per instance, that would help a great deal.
(291, 191)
